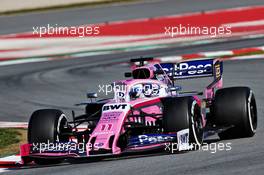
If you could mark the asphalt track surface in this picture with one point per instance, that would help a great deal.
(59, 84)
(64, 82)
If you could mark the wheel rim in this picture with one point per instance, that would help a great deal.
(252, 112)
(197, 126)
(60, 127)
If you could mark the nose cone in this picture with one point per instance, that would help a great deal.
(108, 129)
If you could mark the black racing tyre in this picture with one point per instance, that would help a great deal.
(236, 106)
(183, 113)
(47, 125)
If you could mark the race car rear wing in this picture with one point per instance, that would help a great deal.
(194, 69)
(197, 69)
(186, 69)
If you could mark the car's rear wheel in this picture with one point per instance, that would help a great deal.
(47, 126)
(183, 113)
(236, 106)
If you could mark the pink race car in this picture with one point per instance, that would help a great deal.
(148, 111)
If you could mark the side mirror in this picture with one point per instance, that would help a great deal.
(128, 74)
(175, 88)
(200, 93)
(92, 95)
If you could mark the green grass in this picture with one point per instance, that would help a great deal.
(10, 139)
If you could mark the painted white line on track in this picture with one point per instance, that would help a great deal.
(13, 158)
(171, 58)
(248, 57)
(262, 48)
(24, 125)
(217, 53)
(246, 23)
(22, 61)
(2, 170)
(13, 125)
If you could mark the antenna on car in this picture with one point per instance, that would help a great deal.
(73, 119)
(141, 60)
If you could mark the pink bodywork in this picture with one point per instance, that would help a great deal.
(111, 123)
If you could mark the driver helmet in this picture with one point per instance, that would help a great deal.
(136, 91)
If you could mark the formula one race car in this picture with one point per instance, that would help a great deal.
(148, 111)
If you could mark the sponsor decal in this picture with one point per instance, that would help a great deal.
(147, 139)
(115, 107)
(110, 116)
(98, 145)
(183, 139)
(218, 69)
(197, 68)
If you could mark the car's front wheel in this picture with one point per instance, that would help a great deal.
(236, 106)
(46, 126)
(183, 113)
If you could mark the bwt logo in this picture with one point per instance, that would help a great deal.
(191, 69)
(114, 107)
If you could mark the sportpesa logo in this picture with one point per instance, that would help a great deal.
(182, 68)
(197, 68)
